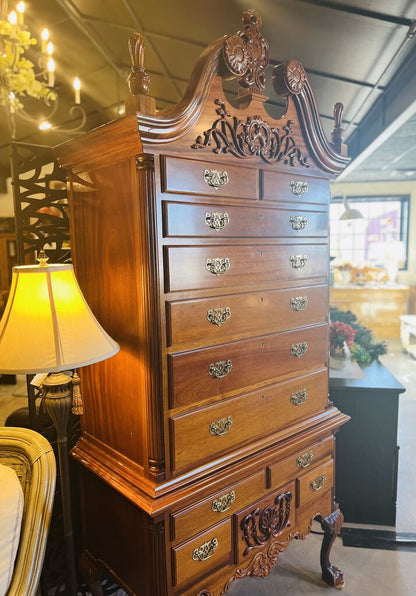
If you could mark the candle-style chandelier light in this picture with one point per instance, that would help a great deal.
(26, 72)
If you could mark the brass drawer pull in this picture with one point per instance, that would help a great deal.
(299, 303)
(219, 316)
(217, 221)
(218, 266)
(298, 222)
(205, 551)
(299, 398)
(318, 482)
(215, 178)
(221, 426)
(220, 369)
(298, 261)
(305, 460)
(299, 349)
(223, 503)
(298, 187)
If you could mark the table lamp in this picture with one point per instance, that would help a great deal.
(48, 327)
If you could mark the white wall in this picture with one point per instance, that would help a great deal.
(6, 201)
(388, 188)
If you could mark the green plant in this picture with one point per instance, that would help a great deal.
(365, 348)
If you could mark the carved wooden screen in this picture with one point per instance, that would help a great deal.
(40, 203)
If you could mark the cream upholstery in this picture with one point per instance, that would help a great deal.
(11, 513)
(32, 458)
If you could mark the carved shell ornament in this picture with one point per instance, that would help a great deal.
(246, 53)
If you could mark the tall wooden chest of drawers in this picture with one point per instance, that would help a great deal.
(200, 239)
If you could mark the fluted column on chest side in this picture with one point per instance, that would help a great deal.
(148, 238)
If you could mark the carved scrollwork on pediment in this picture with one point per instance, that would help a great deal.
(246, 53)
(253, 137)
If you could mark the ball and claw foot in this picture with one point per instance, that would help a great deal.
(333, 577)
(331, 526)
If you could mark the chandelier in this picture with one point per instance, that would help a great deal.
(28, 73)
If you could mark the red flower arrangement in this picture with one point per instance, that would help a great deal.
(340, 332)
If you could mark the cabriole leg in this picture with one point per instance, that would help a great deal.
(331, 526)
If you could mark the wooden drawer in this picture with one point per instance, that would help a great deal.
(188, 176)
(197, 557)
(193, 438)
(210, 372)
(278, 187)
(217, 506)
(252, 313)
(216, 221)
(309, 486)
(296, 464)
(194, 267)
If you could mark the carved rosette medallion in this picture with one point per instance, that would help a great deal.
(253, 137)
(236, 55)
(295, 76)
(289, 78)
(246, 53)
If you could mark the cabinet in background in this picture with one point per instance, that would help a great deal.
(377, 307)
(367, 451)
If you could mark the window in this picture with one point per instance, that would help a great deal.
(379, 237)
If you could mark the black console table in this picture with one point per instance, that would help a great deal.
(366, 447)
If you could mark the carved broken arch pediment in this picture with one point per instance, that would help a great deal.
(246, 55)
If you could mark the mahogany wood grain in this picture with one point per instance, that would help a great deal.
(107, 266)
(321, 477)
(277, 187)
(192, 442)
(250, 313)
(185, 566)
(144, 571)
(281, 471)
(186, 267)
(187, 176)
(104, 146)
(197, 517)
(187, 220)
(257, 361)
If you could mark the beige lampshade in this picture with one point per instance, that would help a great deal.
(47, 324)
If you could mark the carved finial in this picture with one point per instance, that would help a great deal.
(289, 78)
(246, 54)
(336, 135)
(138, 79)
